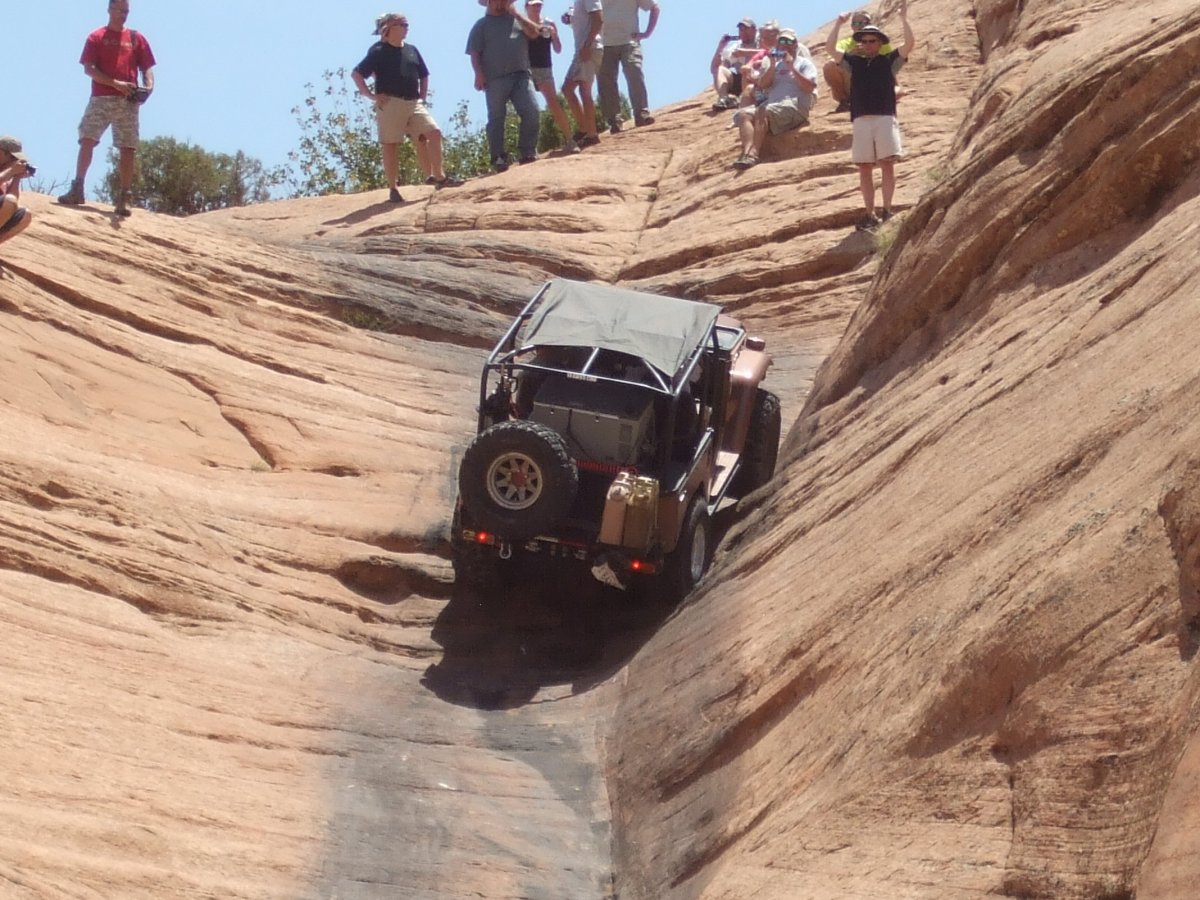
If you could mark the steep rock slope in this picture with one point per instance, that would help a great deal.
(953, 654)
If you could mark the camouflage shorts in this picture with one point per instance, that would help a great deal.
(118, 112)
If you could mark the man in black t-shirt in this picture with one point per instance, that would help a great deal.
(401, 82)
(873, 109)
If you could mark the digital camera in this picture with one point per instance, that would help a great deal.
(30, 170)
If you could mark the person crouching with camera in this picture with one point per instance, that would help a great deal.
(13, 167)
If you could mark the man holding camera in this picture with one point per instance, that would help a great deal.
(113, 56)
(783, 97)
(13, 167)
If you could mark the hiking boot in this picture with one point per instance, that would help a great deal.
(73, 197)
(843, 107)
(448, 181)
(615, 127)
(721, 104)
(122, 207)
(578, 137)
(572, 147)
(501, 163)
(394, 196)
(526, 160)
(647, 119)
(588, 140)
(869, 222)
(885, 215)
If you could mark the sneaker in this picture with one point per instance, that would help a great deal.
(588, 140)
(431, 180)
(721, 104)
(394, 196)
(843, 107)
(578, 137)
(643, 120)
(572, 147)
(448, 181)
(122, 207)
(73, 197)
(526, 160)
(500, 164)
(885, 215)
(745, 161)
(615, 127)
(869, 222)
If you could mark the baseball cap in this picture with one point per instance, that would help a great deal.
(534, 3)
(12, 146)
(747, 23)
(382, 22)
(789, 34)
(771, 25)
(860, 19)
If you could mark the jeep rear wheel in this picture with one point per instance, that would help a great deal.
(517, 479)
(687, 563)
(762, 444)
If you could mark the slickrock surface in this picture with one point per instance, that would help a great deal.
(950, 653)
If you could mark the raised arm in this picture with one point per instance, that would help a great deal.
(526, 23)
(831, 42)
(910, 42)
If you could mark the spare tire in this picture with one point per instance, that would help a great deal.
(517, 479)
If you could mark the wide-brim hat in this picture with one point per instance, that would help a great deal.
(382, 22)
(13, 147)
(871, 30)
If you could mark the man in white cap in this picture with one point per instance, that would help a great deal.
(401, 83)
(13, 167)
(112, 58)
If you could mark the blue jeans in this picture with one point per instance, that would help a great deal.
(517, 87)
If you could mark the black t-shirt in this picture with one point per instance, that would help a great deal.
(397, 70)
(539, 53)
(873, 83)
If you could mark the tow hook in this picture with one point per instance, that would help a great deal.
(505, 550)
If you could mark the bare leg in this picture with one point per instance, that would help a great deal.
(433, 164)
(556, 110)
(887, 178)
(84, 160)
(839, 83)
(126, 166)
(391, 163)
(866, 183)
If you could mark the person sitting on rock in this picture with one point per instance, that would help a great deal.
(835, 76)
(13, 167)
(876, 140)
(732, 53)
(784, 96)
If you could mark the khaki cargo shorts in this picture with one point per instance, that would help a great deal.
(118, 112)
(397, 117)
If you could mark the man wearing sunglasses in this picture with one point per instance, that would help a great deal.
(401, 84)
(783, 97)
(873, 110)
(835, 75)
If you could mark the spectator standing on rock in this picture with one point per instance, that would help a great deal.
(14, 218)
(541, 66)
(732, 53)
(787, 88)
(112, 58)
(835, 76)
(586, 19)
(499, 49)
(876, 140)
(401, 84)
(623, 47)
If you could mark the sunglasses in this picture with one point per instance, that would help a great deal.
(869, 40)
(786, 41)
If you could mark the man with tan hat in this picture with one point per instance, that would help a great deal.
(784, 95)
(13, 167)
(401, 84)
(838, 78)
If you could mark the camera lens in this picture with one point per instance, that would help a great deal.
(30, 170)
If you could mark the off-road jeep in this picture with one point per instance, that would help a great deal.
(612, 423)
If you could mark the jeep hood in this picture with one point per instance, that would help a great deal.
(664, 331)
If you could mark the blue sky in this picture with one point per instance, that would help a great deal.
(229, 73)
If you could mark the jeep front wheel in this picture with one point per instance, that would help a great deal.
(517, 479)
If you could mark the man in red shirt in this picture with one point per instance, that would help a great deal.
(112, 58)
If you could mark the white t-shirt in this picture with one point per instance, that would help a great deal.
(581, 22)
(621, 20)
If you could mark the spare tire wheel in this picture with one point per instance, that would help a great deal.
(517, 479)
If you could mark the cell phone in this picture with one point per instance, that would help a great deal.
(731, 37)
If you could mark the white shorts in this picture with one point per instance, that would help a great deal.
(397, 117)
(875, 138)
